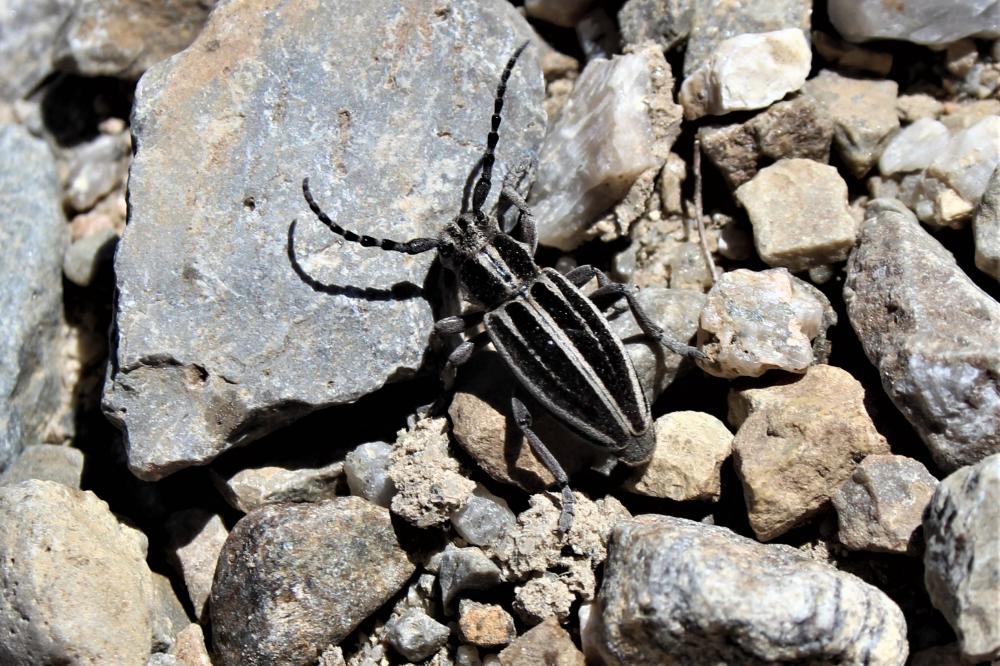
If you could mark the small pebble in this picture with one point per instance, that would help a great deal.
(485, 625)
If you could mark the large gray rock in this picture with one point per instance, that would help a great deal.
(962, 560)
(124, 38)
(28, 30)
(387, 109)
(74, 584)
(919, 21)
(293, 578)
(32, 240)
(931, 332)
(680, 592)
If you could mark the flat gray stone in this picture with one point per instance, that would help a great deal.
(962, 559)
(32, 240)
(918, 21)
(195, 541)
(28, 30)
(75, 585)
(46, 462)
(124, 38)
(219, 339)
(931, 332)
(293, 578)
(465, 569)
(676, 591)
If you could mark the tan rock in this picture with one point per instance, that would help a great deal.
(548, 644)
(690, 450)
(800, 445)
(800, 214)
(485, 625)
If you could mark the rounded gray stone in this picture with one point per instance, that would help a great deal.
(293, 578)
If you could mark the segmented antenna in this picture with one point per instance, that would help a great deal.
(415, 246)
(483, 184)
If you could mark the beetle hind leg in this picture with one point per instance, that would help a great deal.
(522, 417)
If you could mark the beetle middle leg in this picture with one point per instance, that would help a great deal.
(606, 287)
(522, 417)
(509, 192)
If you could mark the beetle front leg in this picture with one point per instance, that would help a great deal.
(458, 356)
(606, 287)
(522, 417)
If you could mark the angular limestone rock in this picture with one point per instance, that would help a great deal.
(880, 507)
(931, 332)
(962, 559)
(28, 31)
(747, 72)
(798, 444)
(666, 22)
(918, 21)
(196, 539)
(619, 121)
(548, 643)
(690, 450)
(32, 241)
(755, 321)
(223, 336)
(799, 213)
(293, 578)
(715, 21)
(863, 113)
(677, 591)
(74, 584)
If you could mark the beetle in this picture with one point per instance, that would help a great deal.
(555, 340)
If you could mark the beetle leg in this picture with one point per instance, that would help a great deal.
(522, 417)
(525, 219)
(608, 289)
(460, 355)
(457, 323)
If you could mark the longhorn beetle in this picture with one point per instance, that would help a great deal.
(554, 339)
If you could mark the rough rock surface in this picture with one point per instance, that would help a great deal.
(676, 591)
(32, 238)
(919, 21)
(714, 21)
(543, 597)
(619, 121)
(755, 321)
(931, 332)
(863, 113)
(74, 584)
(465, 569)
(962, 559)
(548, 644)
(62, 464)
(124, 38)
(799, 213)
(986, 226)
(248, 108)
(293, 578)
(666, 22)
(196, 539)
(690, 450)
(747, 72)
(485, 625)
(430, 483)
(28, 30)
(881, 506)
(798, 444)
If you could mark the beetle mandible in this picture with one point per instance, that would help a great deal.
(555, 340)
